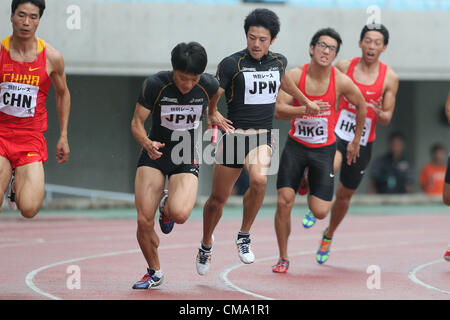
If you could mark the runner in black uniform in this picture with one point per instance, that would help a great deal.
(176, 101)
(250, 80)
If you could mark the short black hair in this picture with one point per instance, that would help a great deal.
(38, 3)
(436, 147)
(327, 32)
(396, 135)
(189, 57)
(375, 27)
(263, 18)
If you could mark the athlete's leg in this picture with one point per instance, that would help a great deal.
(149, 186)
(339, 208)
(224, 179)
(319, 207)
(321, 180)
(446, 194)
(182, 194)
(339, 203)
(5, 177)
(337, 161)
(256, 163)
(29, 188)
(285, 202)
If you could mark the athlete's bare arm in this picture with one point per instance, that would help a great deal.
(140, 134)
(384, 109)
(215, 117)
(55, 69)
(283, 107)
(447, 107)
(355, 97)
(289, 85)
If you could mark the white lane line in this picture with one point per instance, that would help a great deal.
(29, 279)
(224, 274)
(412, 276)
(30, 276)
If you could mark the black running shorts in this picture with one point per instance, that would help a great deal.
(166, 166)
(296, 157)
(234, 148)
(351, 176)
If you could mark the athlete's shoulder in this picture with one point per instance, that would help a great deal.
(209, 83)
(208, 79)
(159, 79)
(391, 75)
(343, 65)
(234, 58)
(280, 58)
(277, 55)
(54, 57)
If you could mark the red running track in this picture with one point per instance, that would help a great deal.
(407, 251)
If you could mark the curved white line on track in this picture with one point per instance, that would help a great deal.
(413, 278)
(223, 275)
(30, 276)
(225, 272)
(29, 279)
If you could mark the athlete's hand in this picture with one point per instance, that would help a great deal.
(377, 107)
(62, 149)
(152, 148)
(312, 108)
(218, 119)
(352, 152)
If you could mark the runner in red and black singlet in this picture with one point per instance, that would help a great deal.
(28, 65)
(311, 142)
(378, 84)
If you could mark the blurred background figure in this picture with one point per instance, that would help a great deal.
(433, 173)
(392, 173)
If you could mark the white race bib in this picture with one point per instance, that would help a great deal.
(18, 99)
(314, 131)
(346, 125)
(261, 87)
(178, 117)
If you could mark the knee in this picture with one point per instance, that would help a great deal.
(216, 201)
(285, 203)
(145, 224)
(258, 183)
(179, 214)
(320, 213)
(29, 212)
(344, 195)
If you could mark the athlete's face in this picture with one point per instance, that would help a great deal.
(372, 45)
(25, 20)
(325, 51)
(185, 81)
(258, 41)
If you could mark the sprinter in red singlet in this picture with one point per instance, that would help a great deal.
(379, 84)
(28, 65)
(312, 142)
